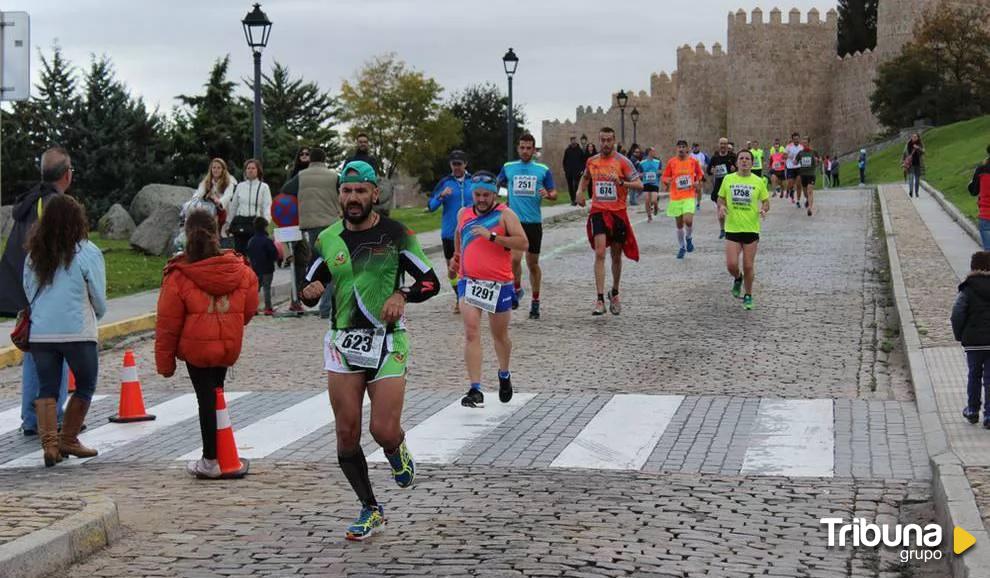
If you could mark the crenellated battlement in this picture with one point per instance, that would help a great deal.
(739, 18)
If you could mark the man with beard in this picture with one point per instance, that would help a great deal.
(366, 257)
(608, 227)
(487, 233)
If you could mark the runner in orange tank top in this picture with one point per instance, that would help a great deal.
(487, 233)
(610, 176)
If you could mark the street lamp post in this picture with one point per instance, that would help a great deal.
(634, 115)
(257, 27)
(510, 61)
(622, 99)
(938, 48)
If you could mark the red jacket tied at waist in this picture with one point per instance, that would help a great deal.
(630, 248)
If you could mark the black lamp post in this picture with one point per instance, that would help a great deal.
(622, 99)
(257, 27)
(938, 48)
(634, 115)
(510, 61)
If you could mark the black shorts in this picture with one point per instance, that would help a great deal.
(807, 180)
(742, 238)
(448, 248)
(651, 189)
(781, 175)
(534, 233)
(616, 235)
(792, 173)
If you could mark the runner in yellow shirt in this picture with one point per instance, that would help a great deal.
(743, 200)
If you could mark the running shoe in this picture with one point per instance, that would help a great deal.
(371, 521)
(748, 302)
(296, 307)
(690, 245)
(721, 234)
(534, 310)
(600, 306)
(504, 389)
(269, 311)
(614, 306)
(680, 253)
(474, 398)
(403, 466)
(516, 297)
(809, 212)
(971, 415)
(737, 287)
(204, 469)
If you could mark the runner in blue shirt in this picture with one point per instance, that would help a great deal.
(528, 182)
(453, 193)
(649, 171)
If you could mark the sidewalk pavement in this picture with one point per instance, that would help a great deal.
(929, 252)
(136, 313)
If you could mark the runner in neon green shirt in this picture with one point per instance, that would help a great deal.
(743, 200)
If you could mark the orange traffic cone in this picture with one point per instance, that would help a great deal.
(231, 466)
(72, 382)
(131, 399)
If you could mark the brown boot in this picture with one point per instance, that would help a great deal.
(47, 410)
(72, 422)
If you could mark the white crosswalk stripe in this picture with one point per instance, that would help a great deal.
(622, 435)
(114, 436)
(441, 438)
(10, 419)
(792, 437)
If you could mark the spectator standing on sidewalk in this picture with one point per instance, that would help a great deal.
(315, 189)
(979, 187)
(574, 161)
(301, 162)
(913, 153)
(213, 192)
(971, 326)
(250, 199)
(66, 279)
(208, 295)
(362, 152)
(861, 163)
(56, 177)
(262, 253)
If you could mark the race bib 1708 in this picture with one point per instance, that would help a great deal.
(524, 185)
(361, 347)
(684, 182)
(605, 191)
(482, 294)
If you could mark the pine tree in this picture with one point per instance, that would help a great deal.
(857, 26)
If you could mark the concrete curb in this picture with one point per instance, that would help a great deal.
(12, 356)
(64, 543)
(954, 212)
(955, 503)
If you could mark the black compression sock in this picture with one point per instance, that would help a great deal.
(355, 469)
(601, 296)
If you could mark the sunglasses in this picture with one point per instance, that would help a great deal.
(486, 179)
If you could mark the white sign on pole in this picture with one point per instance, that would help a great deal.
(15, 80)
(288, 234)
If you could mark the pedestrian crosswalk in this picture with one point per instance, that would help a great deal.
(630, 432)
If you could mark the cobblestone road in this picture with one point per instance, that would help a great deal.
(695, 506)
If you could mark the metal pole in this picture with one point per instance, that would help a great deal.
(257, 105)
(293, 297)
(509, 125)
(634, 131)
(622, 125)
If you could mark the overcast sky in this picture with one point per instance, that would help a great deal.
(571, 52)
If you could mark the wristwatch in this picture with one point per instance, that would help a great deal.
(492, 235)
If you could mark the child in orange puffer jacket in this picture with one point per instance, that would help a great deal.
(207, 297)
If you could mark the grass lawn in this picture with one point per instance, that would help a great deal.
(128, 271)
(952, 152)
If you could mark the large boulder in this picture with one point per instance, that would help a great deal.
(116, 223)
(151, 197)
(155, 234)
(6, 221)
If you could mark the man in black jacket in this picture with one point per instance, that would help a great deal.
(574, 161)
(362, 152)
(56, 176)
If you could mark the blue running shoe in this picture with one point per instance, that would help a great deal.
(721, 234)
(403, 466)
(690, 245)
(517, 297)
(680, 253)
(371, 521)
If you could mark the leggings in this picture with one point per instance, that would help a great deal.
(205, 381)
